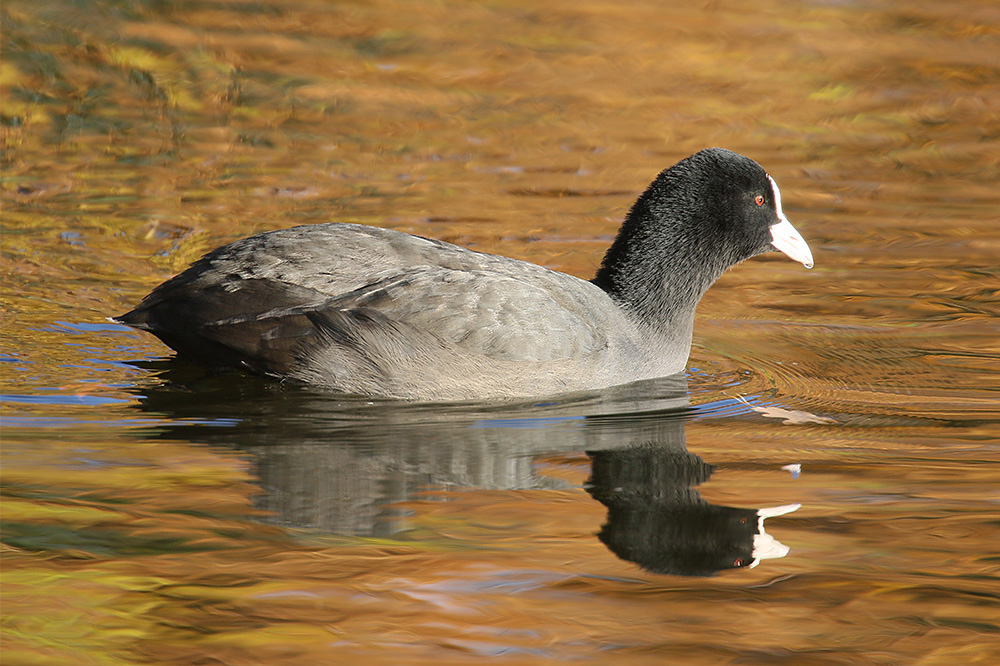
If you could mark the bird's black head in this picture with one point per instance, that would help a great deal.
(705, 214)
(724, 204)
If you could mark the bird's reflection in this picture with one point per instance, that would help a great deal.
(658, 519)
(340, 464)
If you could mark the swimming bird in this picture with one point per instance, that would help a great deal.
(370, 311)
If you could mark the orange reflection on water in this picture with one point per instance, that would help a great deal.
(152, 517)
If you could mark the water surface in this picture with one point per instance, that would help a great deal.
(158, 514)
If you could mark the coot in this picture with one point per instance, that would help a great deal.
(369, 311)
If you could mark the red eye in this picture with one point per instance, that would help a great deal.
(738, 562)
(759, 200)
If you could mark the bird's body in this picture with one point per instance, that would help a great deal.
(371, 311)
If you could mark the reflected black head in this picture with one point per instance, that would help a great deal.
(691, 540)
(658, 519)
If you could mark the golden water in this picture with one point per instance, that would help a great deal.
(157, 515)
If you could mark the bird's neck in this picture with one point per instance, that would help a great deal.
(658, 274)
